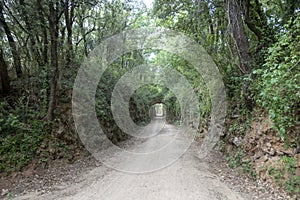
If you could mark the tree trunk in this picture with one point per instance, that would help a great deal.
(12, 44)
(69, 14)
(4, 75)
(239, 35)
(53, 27)
(83, 32)
(44, 30)
(258, 25)
(242, 45)
(30, 30)
(249, 22)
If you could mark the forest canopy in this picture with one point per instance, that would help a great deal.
(254, 43)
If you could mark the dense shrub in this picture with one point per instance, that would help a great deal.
(278, 80)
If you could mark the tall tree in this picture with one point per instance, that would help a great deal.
(69, 19)
(12, 43)
(53, 28)
(42, 21)
(239, 35)
(30, 30)
(4, 74)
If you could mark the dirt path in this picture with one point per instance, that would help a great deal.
(187, 178)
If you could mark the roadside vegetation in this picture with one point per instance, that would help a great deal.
(254, 43)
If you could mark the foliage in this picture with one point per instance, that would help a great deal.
(286, 175)
(237, 161)
(194, 78)
(277, 81)
(19, 141)
(43, 34)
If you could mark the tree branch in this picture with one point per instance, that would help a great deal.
(249, 23)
